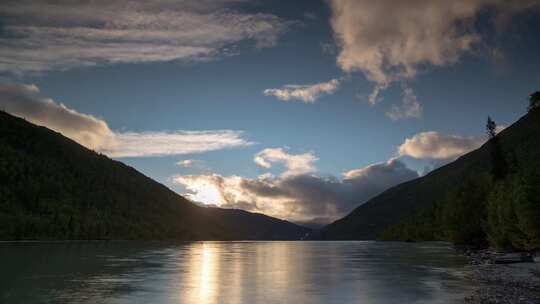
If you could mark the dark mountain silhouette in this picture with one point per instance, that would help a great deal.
(519, 144)
(53, 188)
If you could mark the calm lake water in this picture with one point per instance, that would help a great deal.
(231, 272)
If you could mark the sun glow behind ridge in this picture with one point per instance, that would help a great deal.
(206, 193)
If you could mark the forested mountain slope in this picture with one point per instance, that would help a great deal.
(519, 147)
(53, 188)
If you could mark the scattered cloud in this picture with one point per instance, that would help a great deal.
(299, 197)
(295, 164)
(435, 149)
(311, 16)
(190, 163)
(374, 97)
(141, 144)
(328, 48)
(421, 32)
(305, 93)
(435, 145)
(409, 107)
(51, 35)
(392, 41)
(23, 101)
(266, 176)
(94, 133)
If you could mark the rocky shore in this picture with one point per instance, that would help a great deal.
(503, 283)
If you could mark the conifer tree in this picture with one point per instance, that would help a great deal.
(534, 100)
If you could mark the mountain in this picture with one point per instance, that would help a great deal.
(519, 144)
(53, 188)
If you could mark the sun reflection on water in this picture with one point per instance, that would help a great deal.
(204, 272)
(240, 272)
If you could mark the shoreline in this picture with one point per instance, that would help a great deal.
(502, 283)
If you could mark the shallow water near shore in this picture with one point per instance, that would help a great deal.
(231, 272)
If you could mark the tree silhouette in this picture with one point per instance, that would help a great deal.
(498, 161)
(491, 126)
(534, 100)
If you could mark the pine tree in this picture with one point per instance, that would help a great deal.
(491, 127)
(534, 100)
(498, 161)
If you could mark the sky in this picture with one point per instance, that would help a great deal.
(301, 110)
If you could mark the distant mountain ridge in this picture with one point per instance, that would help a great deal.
(53, 188)
(521, 141)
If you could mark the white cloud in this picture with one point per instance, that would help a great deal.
(373, 97)
(435, 145)
(266, 176)
(391, 41)
(306, 93)
(190, 163)
(139, 144)
(420, 32)
(368, 170)
(436, 149)
(22, 100)
(409, 107)
(295, 164)
(301, 198)
(94, 133)
(48, 35)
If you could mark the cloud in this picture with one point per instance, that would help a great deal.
(435, 145)
(305, 93)
(295, 164)
(190, 163)
(311, 16)
(328, 48)
(373, 97)
(140, 144)
(420, 32)
(94, 133)
(409, 108)
(50, 35)
(301, 198)
(391, 41)
(22, 100)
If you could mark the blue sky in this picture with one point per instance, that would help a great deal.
(340, 129)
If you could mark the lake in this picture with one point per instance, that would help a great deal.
(231, 272)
